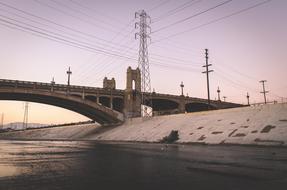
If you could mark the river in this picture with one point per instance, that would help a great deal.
(94, 165)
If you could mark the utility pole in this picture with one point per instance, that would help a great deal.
(69, 72)
(247, 96)
(25, 120)
(143, 61)
(207, 71)
(264, 92)
(224, 98)
(218, 93)
(181, 85)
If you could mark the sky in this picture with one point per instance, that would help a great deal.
(246, 39)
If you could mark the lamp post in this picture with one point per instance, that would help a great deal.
(181, 85)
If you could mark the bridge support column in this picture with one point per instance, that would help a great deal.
(181, 105)
(111, 103)
(132, 97)
(83, 94)
(98, 99)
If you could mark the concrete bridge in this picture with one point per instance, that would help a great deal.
(106, 105)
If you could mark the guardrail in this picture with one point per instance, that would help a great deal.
(56, 87)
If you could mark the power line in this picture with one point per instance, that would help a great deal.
(180, 51)
(63, 27)
(89, 8)
(62, 39)
(192, 16)
(175, 10)
(158, 5)
(73, 16)
(237, 84)
(40, 23)
(60, 25)
(214, 21)
(93, 67)
(75, 44)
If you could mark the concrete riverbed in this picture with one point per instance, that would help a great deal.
(257, 125)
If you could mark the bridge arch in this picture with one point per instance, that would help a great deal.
(92, 110)
(159, 104)
(76, 95)
(198, 106)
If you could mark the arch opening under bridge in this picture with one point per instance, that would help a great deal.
(196, 106)
(90, 109)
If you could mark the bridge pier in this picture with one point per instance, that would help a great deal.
(111, 102)
(181, 106)
(83, 94)
(132, 95)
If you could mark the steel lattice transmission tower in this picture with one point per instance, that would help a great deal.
(143, 61)
(25, 120)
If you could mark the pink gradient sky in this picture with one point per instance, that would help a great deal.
(243, 49)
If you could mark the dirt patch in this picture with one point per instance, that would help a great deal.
(283, 120)
(255, 131)
(200, 128)
(232, 132)
(202, 138)
(232, 123)
(245, 126)
(190, 133)
(172, 137)
(239, 135)
(216, 132)
(267, 128)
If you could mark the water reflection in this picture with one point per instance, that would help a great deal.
(8, 170)
(85, 164)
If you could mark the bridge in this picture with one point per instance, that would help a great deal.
(106, 105)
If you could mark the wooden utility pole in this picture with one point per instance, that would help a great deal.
(247, 96)
(207, 71)
(264, 92)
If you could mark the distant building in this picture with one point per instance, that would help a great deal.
(109, 83)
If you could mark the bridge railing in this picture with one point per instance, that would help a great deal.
(56, 87)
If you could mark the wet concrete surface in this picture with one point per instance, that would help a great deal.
(93, 165)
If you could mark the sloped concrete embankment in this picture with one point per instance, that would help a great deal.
(258, 125)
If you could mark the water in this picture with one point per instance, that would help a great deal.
(90, 165)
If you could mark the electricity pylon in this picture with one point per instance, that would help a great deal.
(143, 61)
